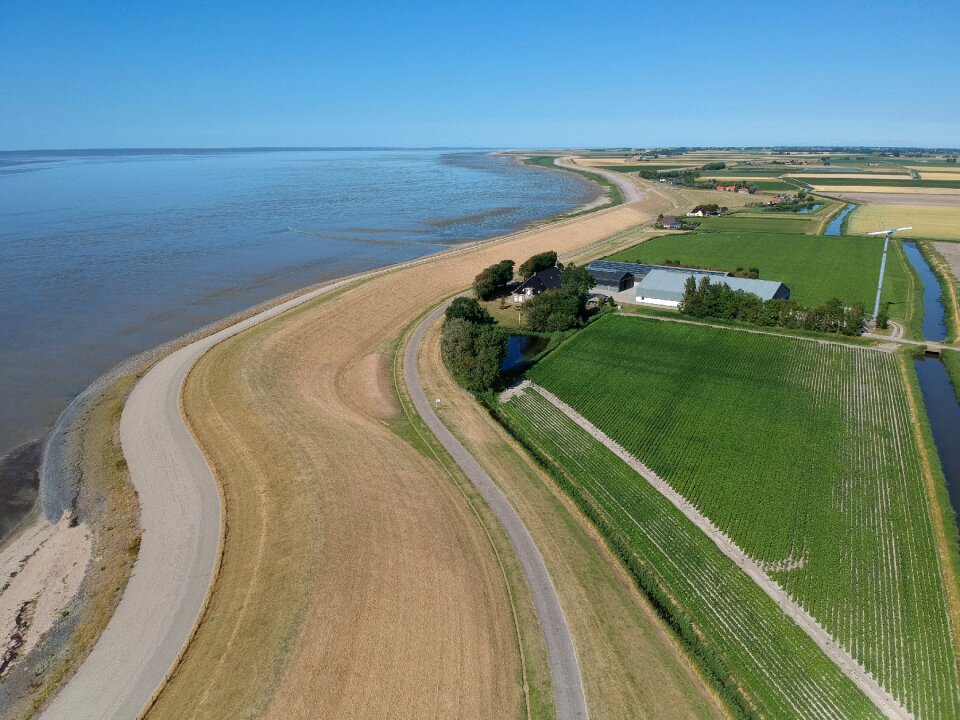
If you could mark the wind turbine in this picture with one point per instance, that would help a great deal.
(888, 233)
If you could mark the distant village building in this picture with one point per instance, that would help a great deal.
(548, 279)
(665, 286)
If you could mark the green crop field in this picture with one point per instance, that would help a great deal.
(737, 222)
(814, 267)
(736, 632)
(803, 453)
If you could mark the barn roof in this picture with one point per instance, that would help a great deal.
(669, 285)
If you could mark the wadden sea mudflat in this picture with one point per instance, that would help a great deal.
(349, 560)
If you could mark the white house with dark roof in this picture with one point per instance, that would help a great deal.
(537, 283)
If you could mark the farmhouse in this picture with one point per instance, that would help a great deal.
(548, 279)
(665, 287)
(670, 222)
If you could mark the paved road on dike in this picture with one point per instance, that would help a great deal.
(180, 514)
(884, 702)
(561, 655)
(631, 192)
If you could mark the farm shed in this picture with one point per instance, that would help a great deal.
(665, 287)
(548, 279)
(610, 281)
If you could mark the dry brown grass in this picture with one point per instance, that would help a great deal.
(630, 665)
(930, 221)
(881, 189)
(355, 578)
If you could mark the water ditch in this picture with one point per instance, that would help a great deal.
(521, 349)
(835, 226)
(943, 407)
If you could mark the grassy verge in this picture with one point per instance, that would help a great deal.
(948, 286)
(943, 516)
(533, 667)
(106, 493)
(677, 316)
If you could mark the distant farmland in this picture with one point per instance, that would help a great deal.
(815, 268)
(804, 454)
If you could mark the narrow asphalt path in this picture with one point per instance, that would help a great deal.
(631, 192)
(561, 655)
(180, 514)
(884, 702)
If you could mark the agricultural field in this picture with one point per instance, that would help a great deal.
(866, 180)
(815, 268)
(737, 633)
(750, 221)
(931, 221)
(804, 454)
(705, 197)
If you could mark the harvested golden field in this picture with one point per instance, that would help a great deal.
(891, 190)
(355, 576)
(707, 197)
(940, 175)
(630, 665)
(927, 220)
(848, 176)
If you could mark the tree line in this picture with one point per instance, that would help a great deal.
(719, 300)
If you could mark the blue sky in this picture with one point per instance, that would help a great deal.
(513, 74)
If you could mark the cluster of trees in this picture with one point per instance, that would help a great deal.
(536, 263)
(714, 166)
(555, 310)
(472, 346)
(492, 279)
(718, 300)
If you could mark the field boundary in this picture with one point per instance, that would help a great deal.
(884, 702)
(946, 556)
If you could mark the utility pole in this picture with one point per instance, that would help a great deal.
(883, 263)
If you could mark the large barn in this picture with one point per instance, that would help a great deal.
(665, 287)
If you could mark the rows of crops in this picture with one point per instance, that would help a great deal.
(782, 673)
(802, 452)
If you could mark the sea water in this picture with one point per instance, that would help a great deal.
(104, 254)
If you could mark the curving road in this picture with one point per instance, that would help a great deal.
(631, 192)
(180, 514)
(561, 655)
(179, 551)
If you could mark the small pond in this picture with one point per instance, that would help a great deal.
(521, 349)
(836, 225)
(808, 210)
